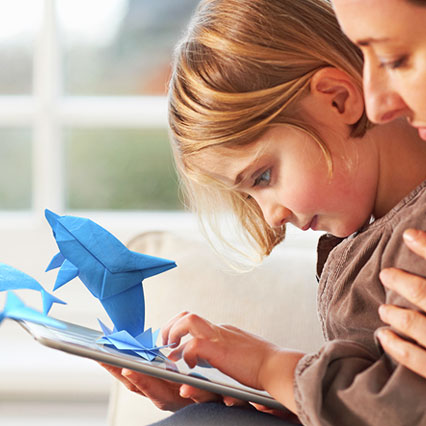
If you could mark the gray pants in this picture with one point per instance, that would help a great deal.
(213, 414)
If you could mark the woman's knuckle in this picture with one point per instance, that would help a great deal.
(406, 319)
(418, 291)
(404, 353)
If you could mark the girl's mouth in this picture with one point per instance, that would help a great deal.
(311, 225)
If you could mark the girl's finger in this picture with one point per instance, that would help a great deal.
(229, 401)
(410, 286)
(409, 322)
(406, 353)
(164, 394)
(196, 349)
(166, 328)
(117, 373)
(198, 395)
(194, 325)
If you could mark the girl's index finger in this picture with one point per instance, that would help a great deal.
(190, 324)
(166, 329)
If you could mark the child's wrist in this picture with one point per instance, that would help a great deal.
(276, 375)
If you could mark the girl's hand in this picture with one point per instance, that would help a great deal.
(243, 356)
(233, 351)
(285, 415)
(410, 322)
(165, 395)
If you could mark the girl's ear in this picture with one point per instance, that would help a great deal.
(340, 92)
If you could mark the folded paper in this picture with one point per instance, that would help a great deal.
(110, 271)
(142, 345)
(14, 279)
(16, 309)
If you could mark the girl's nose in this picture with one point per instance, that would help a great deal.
(382, 102)
(277, 215)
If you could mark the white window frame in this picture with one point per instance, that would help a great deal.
(48, 111)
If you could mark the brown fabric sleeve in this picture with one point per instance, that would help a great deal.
(349, 383)
(344, 385)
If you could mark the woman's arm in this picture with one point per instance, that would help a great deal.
(409, 322)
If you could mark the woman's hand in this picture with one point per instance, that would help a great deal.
(243, 356)
(410, 322)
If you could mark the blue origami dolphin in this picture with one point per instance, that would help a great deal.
(111, 272)
(14, 279)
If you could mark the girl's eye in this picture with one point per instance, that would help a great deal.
(392, 65)
(263, 179)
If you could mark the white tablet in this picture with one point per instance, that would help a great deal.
(81, 341)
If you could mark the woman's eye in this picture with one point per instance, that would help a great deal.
(263, 179)
(392, 65)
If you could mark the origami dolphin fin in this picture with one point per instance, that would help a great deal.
(67, 272)
(56, 262)
(49, 300)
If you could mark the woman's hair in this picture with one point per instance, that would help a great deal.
(242, 67)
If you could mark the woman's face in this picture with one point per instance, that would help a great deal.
(392, 37)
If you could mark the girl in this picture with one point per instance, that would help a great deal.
(392, 36)
(267, 120)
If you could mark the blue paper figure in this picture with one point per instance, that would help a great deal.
(14, 279)
(142, 345)
(111, 272)
(16, 309)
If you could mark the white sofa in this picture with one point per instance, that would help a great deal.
(276, 300)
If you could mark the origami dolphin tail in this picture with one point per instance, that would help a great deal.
(127, 310)
(16, 309)
(49, 300)
(14, 279)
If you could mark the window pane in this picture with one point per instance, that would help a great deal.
(119, 169)
(15, 169)
(128, 51)
(19, 21)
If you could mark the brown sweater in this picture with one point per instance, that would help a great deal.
(350, 380)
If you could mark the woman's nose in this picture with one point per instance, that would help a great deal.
(383, 103)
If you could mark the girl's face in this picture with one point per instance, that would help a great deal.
(392, 37)
(286, 173)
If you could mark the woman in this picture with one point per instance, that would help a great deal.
(392, 36)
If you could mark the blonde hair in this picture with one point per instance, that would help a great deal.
(241, 68)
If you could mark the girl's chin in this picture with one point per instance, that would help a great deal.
(342, 232)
